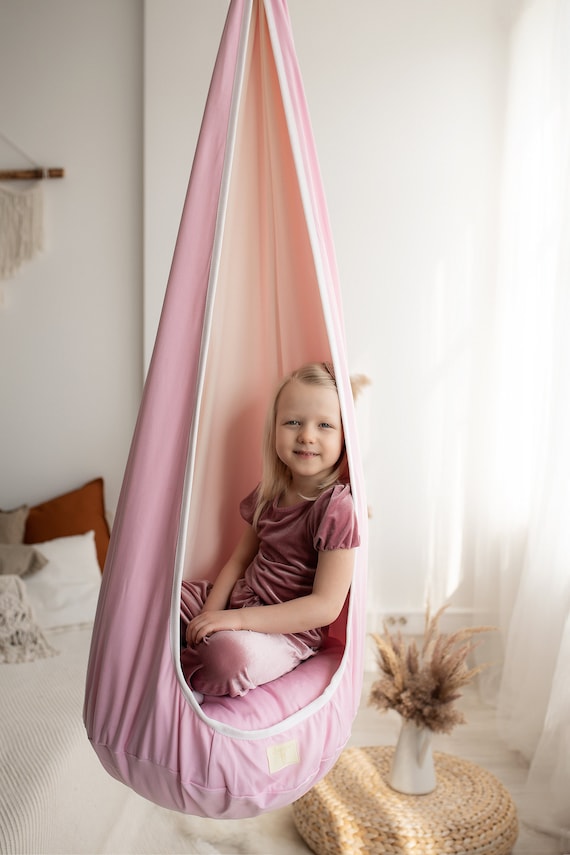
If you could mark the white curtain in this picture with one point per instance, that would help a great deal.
(494, 483)
(521, 499)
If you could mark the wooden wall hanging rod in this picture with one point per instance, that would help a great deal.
(30, 174)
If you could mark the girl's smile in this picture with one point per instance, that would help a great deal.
(308, 433)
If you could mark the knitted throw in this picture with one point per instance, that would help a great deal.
(21, 639)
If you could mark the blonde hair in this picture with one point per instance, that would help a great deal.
(276, 476)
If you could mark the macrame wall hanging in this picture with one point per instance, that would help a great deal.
(21, 213)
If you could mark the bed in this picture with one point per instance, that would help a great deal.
(54, 794)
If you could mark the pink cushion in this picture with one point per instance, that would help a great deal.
(274, 701)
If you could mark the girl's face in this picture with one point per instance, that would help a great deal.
(308, 432)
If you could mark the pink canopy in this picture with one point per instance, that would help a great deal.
(252, 294)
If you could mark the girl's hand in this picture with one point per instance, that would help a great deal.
(206, 623)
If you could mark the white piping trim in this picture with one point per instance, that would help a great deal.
(204, 348)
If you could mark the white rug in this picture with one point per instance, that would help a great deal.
(269, 834)
(142, 828)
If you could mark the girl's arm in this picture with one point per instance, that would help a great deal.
(319, 608)
(233, 569)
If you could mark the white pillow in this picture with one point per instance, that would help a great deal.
(65, 591)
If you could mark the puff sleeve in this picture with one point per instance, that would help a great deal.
(334, 520)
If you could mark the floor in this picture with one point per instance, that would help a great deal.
(477, 741)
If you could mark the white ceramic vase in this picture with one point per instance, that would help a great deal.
(412, 769)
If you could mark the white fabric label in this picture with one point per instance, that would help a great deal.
(282, 755)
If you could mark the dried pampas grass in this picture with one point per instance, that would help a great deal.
(423, 684)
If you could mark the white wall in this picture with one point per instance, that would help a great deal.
(407, 105)
(70, 321)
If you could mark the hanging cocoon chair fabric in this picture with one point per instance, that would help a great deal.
(252, 294)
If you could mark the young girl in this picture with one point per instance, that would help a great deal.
(287, 579)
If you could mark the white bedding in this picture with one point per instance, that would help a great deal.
(40, 738)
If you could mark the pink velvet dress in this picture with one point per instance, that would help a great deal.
(290, 539)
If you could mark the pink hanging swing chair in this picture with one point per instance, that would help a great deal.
(252, 294)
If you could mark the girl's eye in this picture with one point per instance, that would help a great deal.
(325, 425)
(293, 422)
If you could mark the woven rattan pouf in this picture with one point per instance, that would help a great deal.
(354, 810)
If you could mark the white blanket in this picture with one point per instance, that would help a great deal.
(21, 638)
